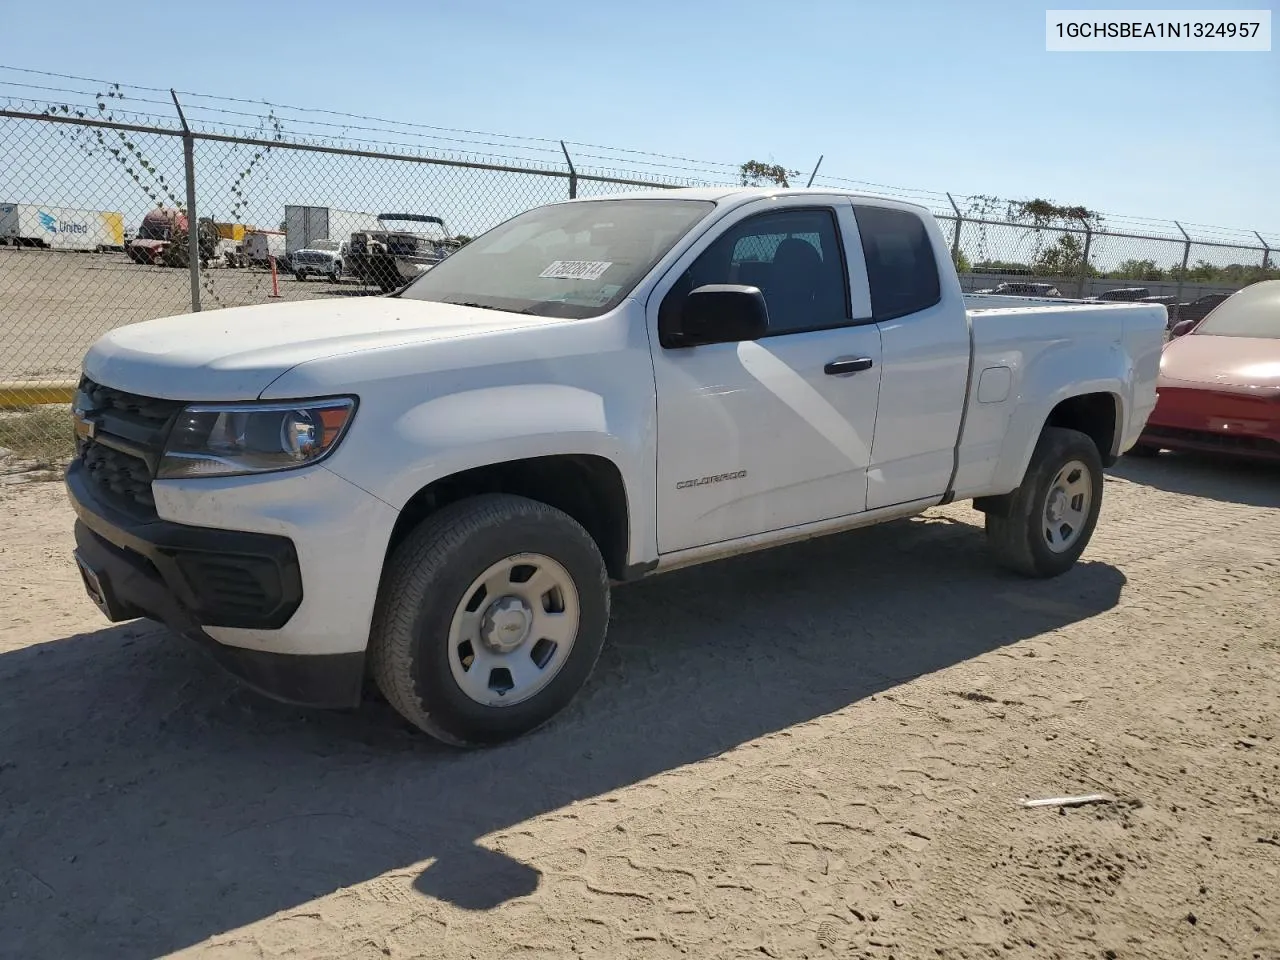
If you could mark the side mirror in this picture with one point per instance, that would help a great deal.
(722, 313)
(1181, 328)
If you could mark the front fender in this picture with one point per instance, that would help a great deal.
(445, 435)
(1062, 371)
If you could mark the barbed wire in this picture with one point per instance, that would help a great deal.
(222, 115)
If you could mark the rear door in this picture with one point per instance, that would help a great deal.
(761, 436)
(924, 334)
(317, 224)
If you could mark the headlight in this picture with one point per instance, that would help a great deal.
(211, 440)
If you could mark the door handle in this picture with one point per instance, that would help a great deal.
(845, 365)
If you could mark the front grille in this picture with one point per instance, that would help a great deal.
(117, 404)
(124, 480)
(129, 433)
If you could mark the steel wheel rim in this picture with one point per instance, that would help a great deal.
(513, 630)
(1066, 506)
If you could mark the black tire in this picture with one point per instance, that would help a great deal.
(1143, 450)
(424, 582)
(336, 276)
(1017, 539)
(299, 276)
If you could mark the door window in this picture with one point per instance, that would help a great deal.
(901, 268)
(795, 259)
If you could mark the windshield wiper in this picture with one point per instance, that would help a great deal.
(480, 306)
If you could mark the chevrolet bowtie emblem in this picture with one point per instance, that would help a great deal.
(84, 427)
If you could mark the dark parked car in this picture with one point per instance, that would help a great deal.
(1122, 295)
(1171, 306)
(1199, 308)
(1019, 288)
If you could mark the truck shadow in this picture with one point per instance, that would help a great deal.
(1228, 480)
(150, 803)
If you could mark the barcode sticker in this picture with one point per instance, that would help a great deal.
(576, 269)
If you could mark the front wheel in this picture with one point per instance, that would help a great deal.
(299, 275)
(1051, 516)
(336, 275)
(491, 616)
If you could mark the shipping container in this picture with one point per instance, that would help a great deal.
(60, 228)
(304, 225)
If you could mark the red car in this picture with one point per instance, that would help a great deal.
(1219, 387)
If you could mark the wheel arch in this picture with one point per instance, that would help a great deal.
(1085, 385)
(588, 487)
(1098, 414)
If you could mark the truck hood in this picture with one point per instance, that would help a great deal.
(234, 354)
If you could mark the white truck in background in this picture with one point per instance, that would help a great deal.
(61, 228)
(437, 489)
(260, 246)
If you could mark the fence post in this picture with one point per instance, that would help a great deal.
(1084, 262)
(1186, 257)
(193, 218)
(573, 174)
(955, 235)
(815, 172)
(1266, 252)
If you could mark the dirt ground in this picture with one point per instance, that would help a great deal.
(55, 304)
(817, 751)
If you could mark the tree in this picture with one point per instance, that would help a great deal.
(1063, 258)
(1136, 270)
(961, 262)
(1046, 213)
(756, 173)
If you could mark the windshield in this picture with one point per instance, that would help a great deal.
(571, 260)
(330, 245)
(1253, 312)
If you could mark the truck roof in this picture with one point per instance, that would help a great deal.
(734, 195)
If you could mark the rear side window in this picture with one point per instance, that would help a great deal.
(900, 265)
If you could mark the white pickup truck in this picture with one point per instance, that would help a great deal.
(437, 489)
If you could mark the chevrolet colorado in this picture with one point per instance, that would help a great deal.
(437, 489)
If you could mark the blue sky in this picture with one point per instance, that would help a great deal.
(933, 95)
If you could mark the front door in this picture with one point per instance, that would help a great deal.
(764, 435)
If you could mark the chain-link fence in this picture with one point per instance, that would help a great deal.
(94, 233)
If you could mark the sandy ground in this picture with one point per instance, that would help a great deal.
(54, 304)
(813, 752)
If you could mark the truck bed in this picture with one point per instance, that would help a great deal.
(1019, 344)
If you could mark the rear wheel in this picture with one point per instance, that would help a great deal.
(1051, 516)
(491, 616)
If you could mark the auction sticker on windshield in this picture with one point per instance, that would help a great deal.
(576, 269)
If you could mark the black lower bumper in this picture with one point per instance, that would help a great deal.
(189, 578)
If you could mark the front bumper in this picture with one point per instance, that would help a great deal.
(1205, 420)
(194, 579)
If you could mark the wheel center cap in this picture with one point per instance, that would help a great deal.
(1057, 506)
(506, 624)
